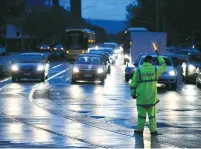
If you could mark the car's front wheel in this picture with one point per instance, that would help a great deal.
(14, 79)
(73, 81)
(198, 84)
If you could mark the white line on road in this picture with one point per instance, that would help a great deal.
(67, 79)
(57, 66)
(3, 87)
(52, 77)
(5, 80)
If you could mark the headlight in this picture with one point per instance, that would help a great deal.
(14, 68)
(126, 56)
(172, 73)
(191, 67)
(62, 48)
(48, 47)
(40, 68)
(100, 70)
(75, 69)
(55, 48)
(41, 47)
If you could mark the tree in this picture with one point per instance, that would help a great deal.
(177, 18)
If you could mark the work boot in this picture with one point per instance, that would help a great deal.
(138, 132)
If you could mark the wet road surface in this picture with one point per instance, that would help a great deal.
(91, 115)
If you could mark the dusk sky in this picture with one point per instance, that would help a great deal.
(105, 9)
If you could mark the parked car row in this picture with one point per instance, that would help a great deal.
(190, 60)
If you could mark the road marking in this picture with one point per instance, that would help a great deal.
(5, 80)
(3, 87)
(67, 79)
(57, 66)
(52, 77)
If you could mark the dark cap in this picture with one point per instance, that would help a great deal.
(148, 58)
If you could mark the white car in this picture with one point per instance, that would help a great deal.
(2, 50)
(169, 77)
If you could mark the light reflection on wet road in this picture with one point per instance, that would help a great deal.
(91, 115)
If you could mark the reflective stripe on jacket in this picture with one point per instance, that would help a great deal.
(144, 81)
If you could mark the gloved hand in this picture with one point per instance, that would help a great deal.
(133, 94)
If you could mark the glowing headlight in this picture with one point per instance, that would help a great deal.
(48, 47)
(75, 69)
(100, 70)
(62, 48)
(40, 68)
(14, 68)
(126, 56)
(41, 47)
(55, 48)
(191, 67)
(172, 73)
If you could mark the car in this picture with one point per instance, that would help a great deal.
(105, 58)
(58, 47)
(116, 46)
(130, 68)
(110, 51)
(2, 50)
(57, 55)
(189, 67)
(169, 77)
(182, 54)
(88, 67)
(30, 65)
(45, 47)
(198, 77)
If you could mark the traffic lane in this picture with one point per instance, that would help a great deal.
(103, 111)
(110, 107)
(18, 114)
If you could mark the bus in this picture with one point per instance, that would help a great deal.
(77, 41)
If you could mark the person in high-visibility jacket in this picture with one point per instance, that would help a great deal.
(144, 87)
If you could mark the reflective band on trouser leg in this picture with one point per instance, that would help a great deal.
(152, 118)
(141, 118)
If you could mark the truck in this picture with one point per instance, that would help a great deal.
(141, 42)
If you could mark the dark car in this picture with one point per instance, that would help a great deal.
(106, 59)
(110, 51)
(198, 78)
(30, 65)
(190, 66)
(58, 47)
(88, 67)
(45, 47)
(182, 54)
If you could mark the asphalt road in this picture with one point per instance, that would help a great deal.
(90, 115)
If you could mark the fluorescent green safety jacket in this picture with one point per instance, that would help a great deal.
(144, 83)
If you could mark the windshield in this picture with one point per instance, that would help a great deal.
(58, 46)
(30, 59)
(155, 61)
(88, 60)
(75, 40)
(196, 58)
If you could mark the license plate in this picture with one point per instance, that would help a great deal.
(87, 75)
